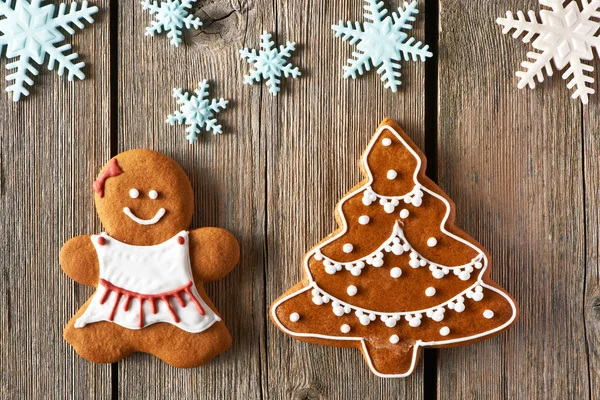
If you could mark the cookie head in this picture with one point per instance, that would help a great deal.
(143, 197)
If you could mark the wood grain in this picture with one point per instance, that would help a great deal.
(51, 145)
(512, 161)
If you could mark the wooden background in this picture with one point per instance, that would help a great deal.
(522, 167)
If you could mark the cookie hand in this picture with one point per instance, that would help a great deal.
(213, 253)
(79, 261)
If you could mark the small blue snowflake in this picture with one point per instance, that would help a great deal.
(197, 112)
(270, 63)
(171, 15)
(382, 42)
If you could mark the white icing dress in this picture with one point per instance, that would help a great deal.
(143, 285)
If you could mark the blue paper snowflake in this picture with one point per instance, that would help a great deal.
(171, 16)
(197, 112)
(382, 42)
(30, 31)
(269, 63)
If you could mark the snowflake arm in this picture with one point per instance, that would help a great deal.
(417, 51)
(20, 77)
(579, 80)
(348, 33)
(65, 61)
(197, 112)
(520, 25)
(389, 76)
(405, 15)
(358, 64)
(375, 11)
(535, 69)
(74, 16)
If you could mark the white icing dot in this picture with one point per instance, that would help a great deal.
(294, 317)
(153, 194)
(415, 322)
(318, 300)
(404, 213)
(430, 291)
(464, 275)
(445, 331)
(394, 339)
(386, 142)
(348, 248)
(365, 320)
(391, 174)
(488, 314)
(338, 310)
(364, 219)
(134, 193)
(345, 328)
(352, 290)
(431, 242)
(390, 322)
(396, 272)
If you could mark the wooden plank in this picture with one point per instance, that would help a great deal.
(591, 297)
(227, 173)
(51, 146)
(512, 162)
(318, 128)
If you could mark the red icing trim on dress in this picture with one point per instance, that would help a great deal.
(150, 297)
(112, 171)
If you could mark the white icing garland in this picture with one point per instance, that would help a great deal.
(365, 316)
(389, 203)
(398, 245)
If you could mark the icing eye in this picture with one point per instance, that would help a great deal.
(134, 193)
(153, 194)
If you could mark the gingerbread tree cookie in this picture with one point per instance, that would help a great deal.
(397, 275)
(148, 269)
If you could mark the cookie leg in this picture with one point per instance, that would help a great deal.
(101, 342)
(391, 361)
(182, 349)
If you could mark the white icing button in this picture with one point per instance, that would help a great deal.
(391, 174)
(364, 319)
(396, 272)
(153, 194)
(294, 317)
(386, 142)
(364, 219)
(445, 331)
(431, 242)
(404, 213)
(134, 193)
(430, 291)
(488, 314)
(348, 248)
(394, 339)
(345, 328)
(352, 290)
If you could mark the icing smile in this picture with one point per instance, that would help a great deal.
(160, 213)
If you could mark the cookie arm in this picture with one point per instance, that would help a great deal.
(78, 259)
(213, 253)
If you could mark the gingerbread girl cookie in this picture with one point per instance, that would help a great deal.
(397, 275)
(148, 269)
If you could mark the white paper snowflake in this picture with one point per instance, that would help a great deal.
(30, 31)
(171, 16)
(197, 112)
(382, 42)
(566, 35)
(269, 63)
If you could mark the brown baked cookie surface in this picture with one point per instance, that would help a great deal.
(148, 269)
(397, 275)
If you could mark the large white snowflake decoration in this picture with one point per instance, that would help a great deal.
(382, 42)
(197, 112)
(30, 30)
(270, 63)
(171, 16)
(566, 35)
